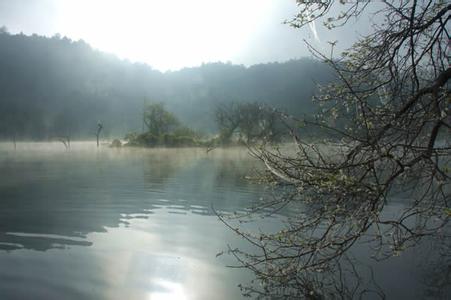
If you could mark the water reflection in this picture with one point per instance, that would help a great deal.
(167, 290)
(58, 199)
(435, 266)
(118, 223)
(137, 224)
(15, 240)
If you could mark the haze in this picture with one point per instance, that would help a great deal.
(170, 35)
(146, 145)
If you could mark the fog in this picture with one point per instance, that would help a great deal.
(68, 65)
(197, 150)
(57, 87)
(171, 35)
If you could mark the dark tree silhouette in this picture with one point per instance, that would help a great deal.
(392, 101)
(250, 121)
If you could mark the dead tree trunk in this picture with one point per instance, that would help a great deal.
(99, 129)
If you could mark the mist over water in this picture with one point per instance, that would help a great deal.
(105, 223)
(124, 167)
(118, 223)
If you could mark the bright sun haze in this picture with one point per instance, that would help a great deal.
(173, 34)
(166, 34)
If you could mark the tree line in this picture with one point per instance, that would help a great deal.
(55, 87)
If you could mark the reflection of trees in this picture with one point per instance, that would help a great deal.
(13, 241)
(52, 201)
(160, 165)
(436, 268)
(194, 178)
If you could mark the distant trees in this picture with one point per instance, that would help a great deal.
(163, 129)
(250, 122)
(240, 122)
(55, 86)
(158, 120)
(228, 120)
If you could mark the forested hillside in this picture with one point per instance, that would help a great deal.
(51, 87)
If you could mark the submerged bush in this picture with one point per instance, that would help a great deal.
(164, 130)
(165, 140)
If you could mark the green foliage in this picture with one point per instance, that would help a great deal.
(173, 140)
(183, 131)
(164, 130)
(146, 139)
(165, 140)
(158, 120)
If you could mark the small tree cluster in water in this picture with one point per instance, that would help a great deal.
(163, 129)
(239, 124)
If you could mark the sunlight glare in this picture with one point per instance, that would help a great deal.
(166, 34)
(168, 291)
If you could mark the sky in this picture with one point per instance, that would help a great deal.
(172, 34)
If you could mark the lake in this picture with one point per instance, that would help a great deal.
(105, 223)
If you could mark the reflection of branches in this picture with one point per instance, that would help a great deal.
(437, 270)
(339, 278)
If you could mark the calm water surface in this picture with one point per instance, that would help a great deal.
(138, 224)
